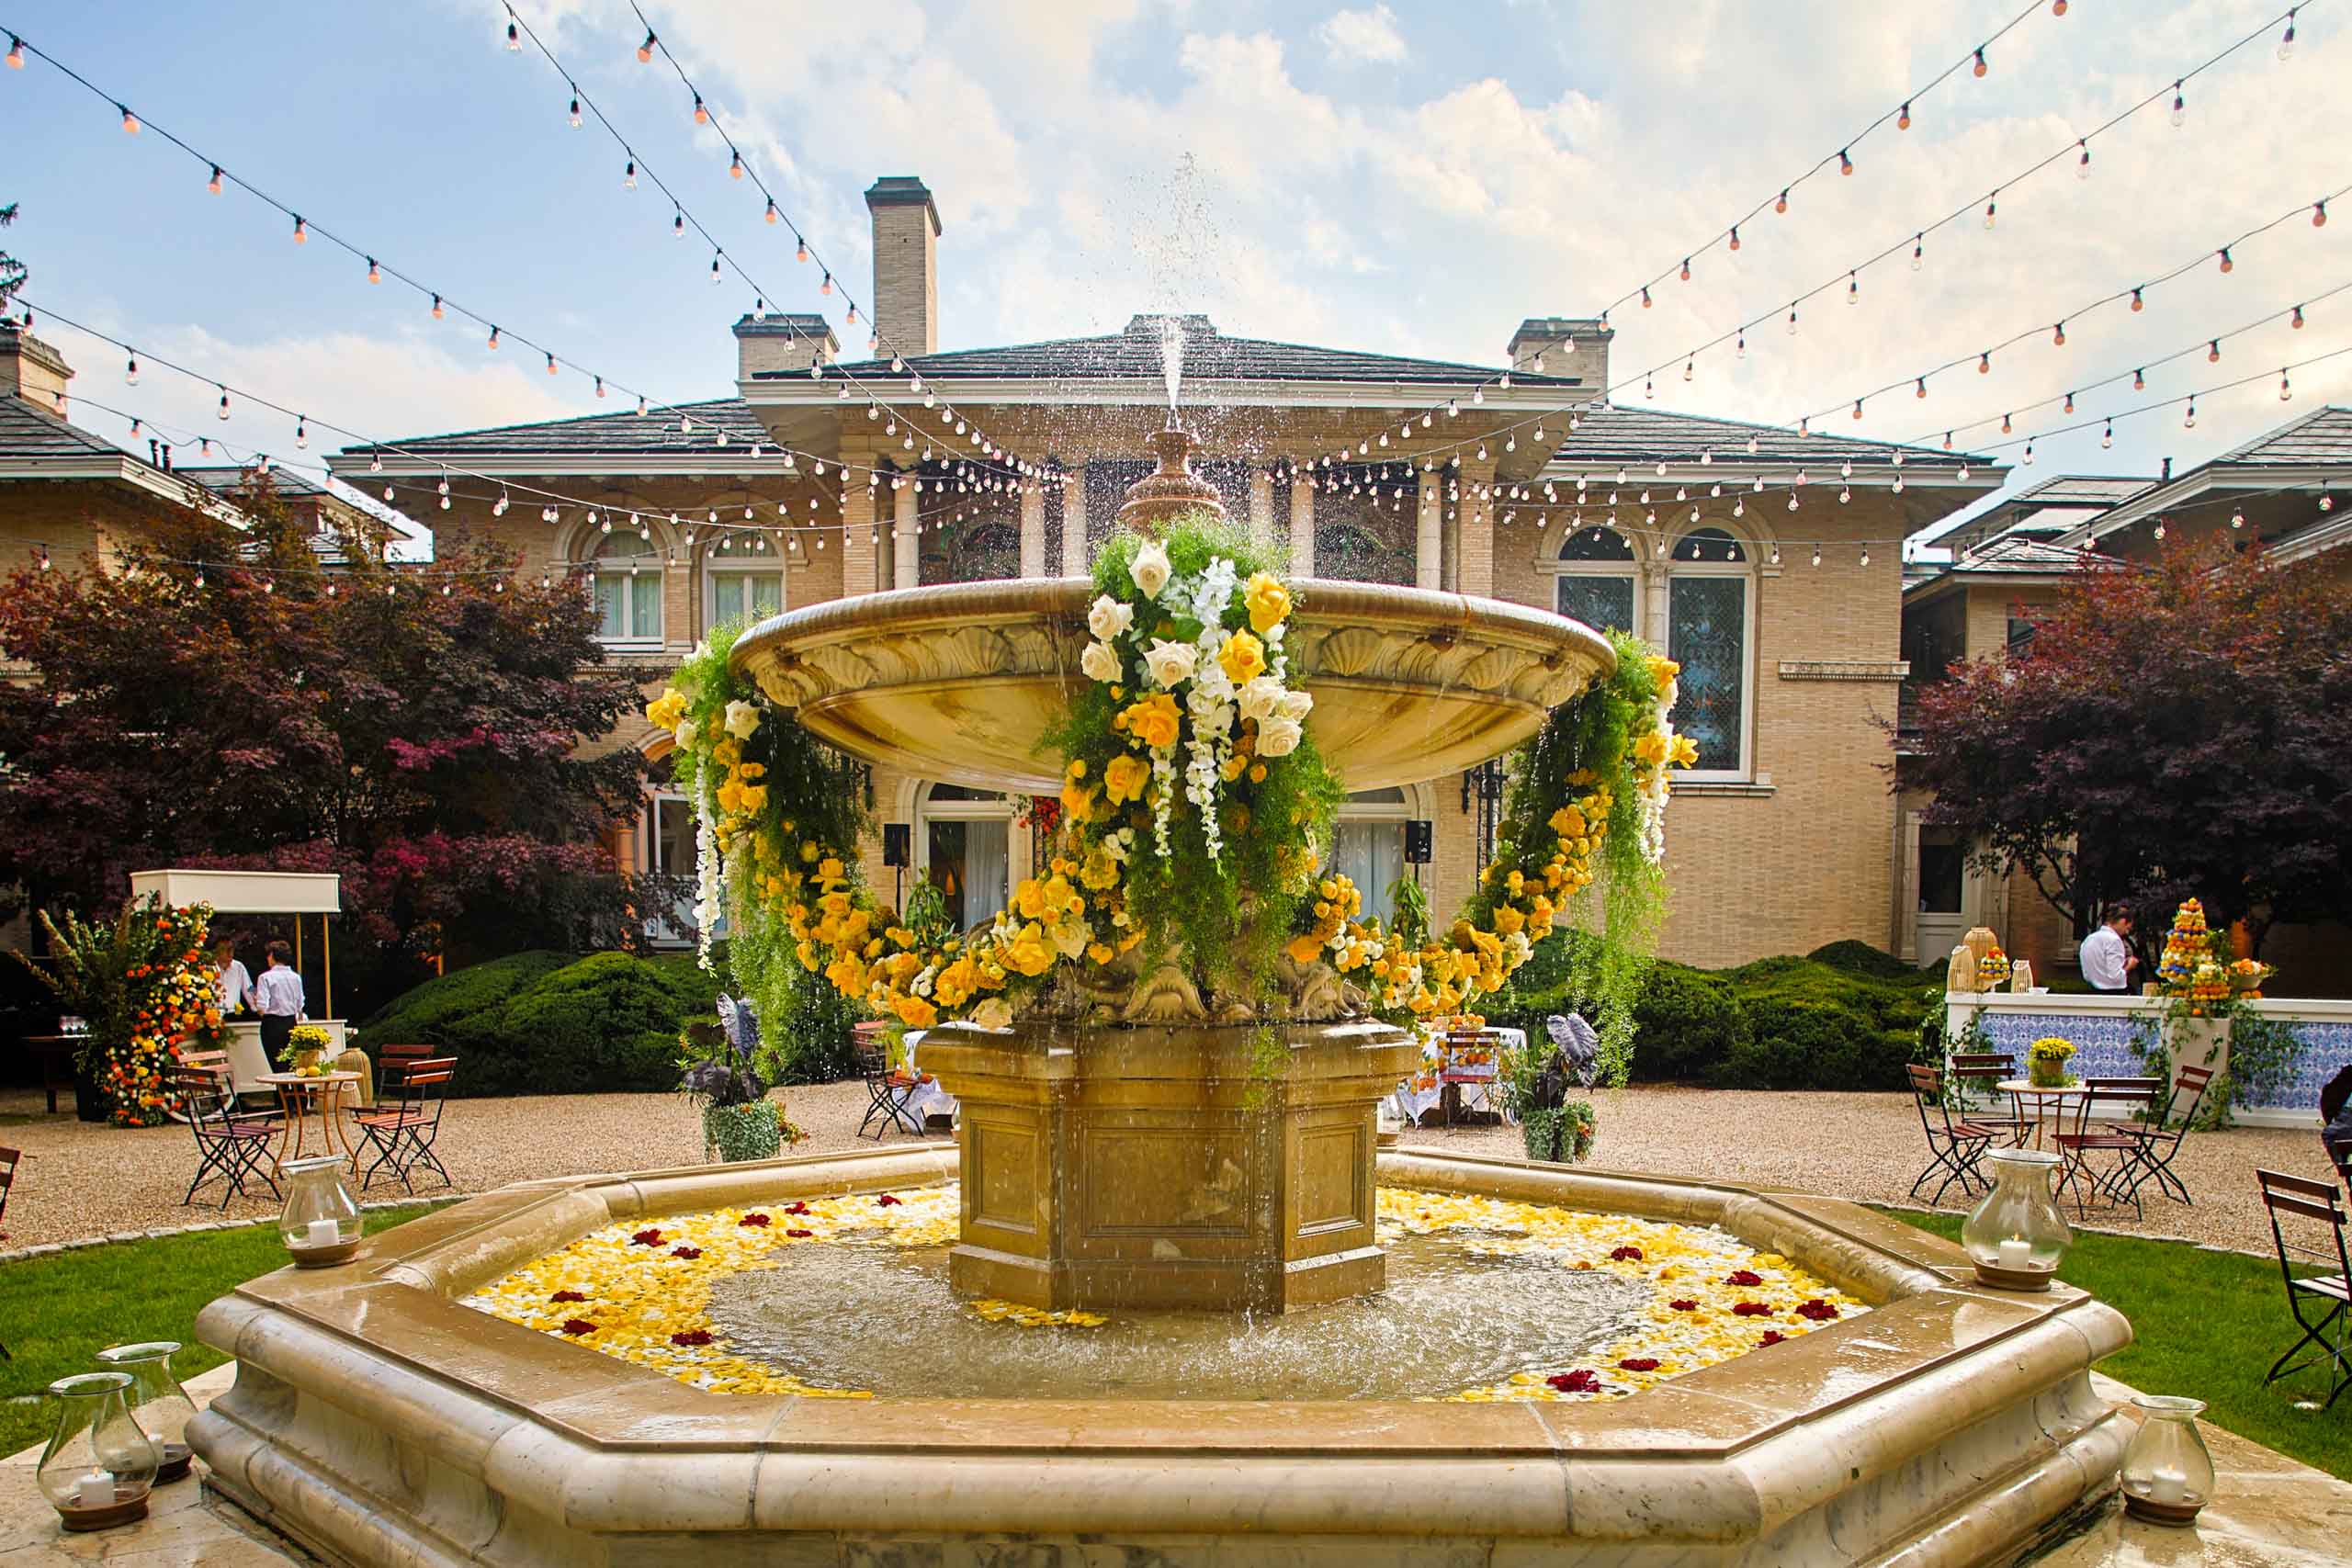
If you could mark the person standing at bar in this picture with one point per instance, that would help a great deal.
(277, 997)
(2107, 960)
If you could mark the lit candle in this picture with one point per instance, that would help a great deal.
(95, 1490)
(2166, 1484)
(2017, 1253)
(326, 1232)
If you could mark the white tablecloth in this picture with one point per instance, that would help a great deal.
(927, 1098)
(1480, 1085)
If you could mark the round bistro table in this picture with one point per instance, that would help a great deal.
(305, 1095)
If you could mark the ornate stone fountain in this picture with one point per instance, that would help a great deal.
(1136, 1145)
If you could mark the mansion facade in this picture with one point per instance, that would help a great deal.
(820, 478)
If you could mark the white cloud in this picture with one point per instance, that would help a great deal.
(1367, 35)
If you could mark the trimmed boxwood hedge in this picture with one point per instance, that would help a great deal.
(1843, 1017)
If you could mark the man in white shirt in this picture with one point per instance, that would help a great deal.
(277, 997)
(2107, 960)
(232, 984)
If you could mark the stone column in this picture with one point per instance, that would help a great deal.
(1301, 525)
(859, 509)
(1261, 506)
(1075, 561)
(1033, 529)
(906, 548)
(1474, 531)
(1428, 519)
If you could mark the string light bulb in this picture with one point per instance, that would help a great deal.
(1845, 162)
(513, 39)
(213, 185)
(1922, 390)
(2296, 320)
(301, 231)
(1984, 363)
(2286, 44)
(1990, 209)
(628, 176)
(1735, 245)
(2227, 264)
(2138, 303)
(1816, 549)
(1866, 555)
(2070, 404)
(2214, 351)
(301, 431)
(1918, 249)
(1903, 120)
(645, 49)
(1793, 321)
(2083, 164)
(1686, 269)
(131, 371)
(2319, 214)
(2188, 420)
(1980, 67)
(1781, 205)
(1646, 297)
(2285, 391)
(2058, 335)
(2139, 380)
(130, 121)
(2107, 437)
(224, 410)
(771, 214)
(573, 116)
(702, 115)
(1853, 288)
(2179, 104)
(16, 53)
(494, 336)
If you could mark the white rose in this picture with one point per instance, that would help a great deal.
(1099, 662)
(1170, 661)
(742, 719)
(685, 735)
(1260, 697)
(994, 1013)
(1106, 618)
(1297, 705)
(1068, 937)
(1149, 568)
(1278, 736)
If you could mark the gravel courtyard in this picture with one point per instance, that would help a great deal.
(78, 1180)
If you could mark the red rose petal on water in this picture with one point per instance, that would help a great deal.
(647, 1238)
(752, 1219)
(799, 1234)
(1817, 1310)
(1772, 1337)
(1684, 1305)
(1743, 1277)
(796, 1208)
(685, 1252)
(1626, 1254)
(885, 1200)
(579, 1326)
(691, 1337)
(1581, 1380)
(567, 1296)
(1752, 1309)
(1638, 1364)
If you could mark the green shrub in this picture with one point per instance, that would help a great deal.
(542, 1023)
(1688, 1023)
(1861, 958)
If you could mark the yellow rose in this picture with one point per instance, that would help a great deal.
(1268, 602)
(1078, 801)
(667, 709)
(1078, 768)
(915, 1012)
(753, 796)
(1303, 949)
(1651, 748)
(1243, 657)
(1685, 754)
(1029, 952)
(1030, 898)
(1663, 670)
(1568, 822)
(1124, 779)
(1154, 720)
(1100, 952)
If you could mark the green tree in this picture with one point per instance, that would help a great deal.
(223, 699)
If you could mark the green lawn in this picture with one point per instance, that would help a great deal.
(58, 1312)
(2207, 1324)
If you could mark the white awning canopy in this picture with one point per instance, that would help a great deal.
(245, 892)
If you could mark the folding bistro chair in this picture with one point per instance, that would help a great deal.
(2319, 1201)
(2160, 1139)
(400, 1130)
(2123, 1098)
(1955, 1147)
(393, 1063)
(229, 1145)
(1983, 1073)
(887, 1089)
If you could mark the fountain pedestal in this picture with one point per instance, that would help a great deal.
(1180, 1166)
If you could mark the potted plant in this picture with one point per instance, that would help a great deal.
(2046, 1061)
(723, 1072)
(1555, 1127)
(305, 1050)
(141, 984)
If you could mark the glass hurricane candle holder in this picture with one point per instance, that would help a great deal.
(320, 1222)
(98, 1466)
(157, 1402)
(2168, 1472)
(2017, 1236)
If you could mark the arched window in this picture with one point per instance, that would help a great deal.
(966, 847)
(1597, 580)
(1709, 631)
(742, 577)
(627, 591)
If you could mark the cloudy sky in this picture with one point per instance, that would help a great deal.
(1407, 177)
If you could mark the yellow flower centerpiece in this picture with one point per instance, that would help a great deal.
(2046, 1061)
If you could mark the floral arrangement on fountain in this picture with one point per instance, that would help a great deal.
(1194, 812)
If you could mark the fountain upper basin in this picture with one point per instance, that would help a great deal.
(959, 682)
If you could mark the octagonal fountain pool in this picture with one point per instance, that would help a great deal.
(809, 1389)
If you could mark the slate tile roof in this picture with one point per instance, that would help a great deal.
(30, 432)
(228, 480)
(1614, 433)
(1134, 353)
(2323, 436)
(2017, 553)
(627, 434)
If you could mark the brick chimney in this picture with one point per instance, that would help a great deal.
(905, 264)
(31, 369)
(1564, 345)
(781, 342)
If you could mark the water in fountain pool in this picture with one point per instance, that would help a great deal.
(882, 1317)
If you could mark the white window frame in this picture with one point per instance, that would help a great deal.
(745, 563)
(1017, 859)
(660, 931)
(1635, 571)
(650, 568)
(1680, 565)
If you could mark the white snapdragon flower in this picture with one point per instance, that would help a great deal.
(1171, 662)
(1106, 617)
(1098, 661)
(1150, 569)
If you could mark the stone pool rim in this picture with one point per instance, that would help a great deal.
(532, 1442)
